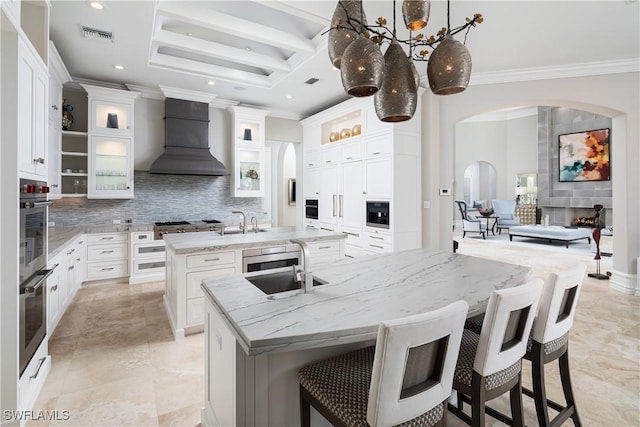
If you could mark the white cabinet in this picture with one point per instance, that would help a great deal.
(360, 160)
(73, 163)
(248, 171)
(183, 298)
(147, 258)
(12, 10)
(110, 143)
(33, 113)
(107, 256)
(65, 281)
(55, 161)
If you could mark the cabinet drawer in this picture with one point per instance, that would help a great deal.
(212, 258)
(323, 248)
(107, 270)
(329, 156)
(351, 152)
(106, 252)
(195, 311)
(378, 146)
(195, 278)
(154, 249)
(141, 236)
(377, 247)
(377, 238)
(108, 238)
(145, 266)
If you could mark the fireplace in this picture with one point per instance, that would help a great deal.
(585, 217)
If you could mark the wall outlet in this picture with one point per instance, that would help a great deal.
(426, 204)
(445, 192)
(51, 224)
(116, 221)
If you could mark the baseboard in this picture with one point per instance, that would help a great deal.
(625, 283)
(178, 333)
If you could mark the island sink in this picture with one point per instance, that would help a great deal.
(282, 281)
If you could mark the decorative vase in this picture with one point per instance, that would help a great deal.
(112, 120)
(67, 117)
(247, 135)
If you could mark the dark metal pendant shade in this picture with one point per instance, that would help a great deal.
(397, 99)
(449, 68)
(416, 13)
(339, 39)
(362, 68)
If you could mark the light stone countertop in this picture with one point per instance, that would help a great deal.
(359, 294)
(185, 243)
(59, 237)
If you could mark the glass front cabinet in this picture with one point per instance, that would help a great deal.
(110, 117)
(248, 174)
(111, 168)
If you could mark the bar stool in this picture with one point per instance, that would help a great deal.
(549, 341)
(404, 380)
(489, 364)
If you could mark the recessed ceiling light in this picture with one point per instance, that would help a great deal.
(96, 5)
(248, 48)
(289, 96)
(211, 82)
(118, 67)
(189, 34)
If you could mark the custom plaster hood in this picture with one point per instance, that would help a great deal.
(186, 148)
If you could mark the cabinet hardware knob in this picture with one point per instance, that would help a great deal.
(40, 363)
(107, 252)
(39, 160)
(54, 107)
(375, 153)
(54, 288)
(106, 269)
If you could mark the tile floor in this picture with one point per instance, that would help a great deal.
(115, 362)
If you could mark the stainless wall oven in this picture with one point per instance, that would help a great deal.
(311, 208)
(259, 259)
(33, 268)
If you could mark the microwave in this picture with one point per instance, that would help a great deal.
(377, 214)
(311, 208)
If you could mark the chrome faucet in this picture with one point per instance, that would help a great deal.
(254, 224)
(303, 275)
(244, 221)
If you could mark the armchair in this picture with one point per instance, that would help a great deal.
(470, 225)
(505, 210)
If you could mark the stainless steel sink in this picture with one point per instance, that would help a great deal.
(225, 232)
(283, 281)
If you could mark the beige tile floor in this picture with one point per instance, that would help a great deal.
(115, 362)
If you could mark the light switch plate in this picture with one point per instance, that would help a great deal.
(426, 204)
(445, 192)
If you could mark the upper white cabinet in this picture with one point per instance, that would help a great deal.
(247, 175)
(352, 158)
(33, 94)
(110, 142)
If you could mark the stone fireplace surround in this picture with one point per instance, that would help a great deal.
(564, 201)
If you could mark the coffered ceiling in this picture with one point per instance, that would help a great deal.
(272, 54)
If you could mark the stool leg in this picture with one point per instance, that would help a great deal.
(478, 397)
(539, 391)
(305, 410)
(565, 377)
(515, 398)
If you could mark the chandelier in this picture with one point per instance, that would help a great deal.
(392, 78)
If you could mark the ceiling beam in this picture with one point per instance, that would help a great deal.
(213, 20)
(161, 60)
(289, 9)
(221, 51)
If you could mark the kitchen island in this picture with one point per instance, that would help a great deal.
(193, 257)
(255, 343)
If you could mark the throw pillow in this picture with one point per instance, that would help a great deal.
(478, 204)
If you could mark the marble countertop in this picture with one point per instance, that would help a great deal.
(184, 243)
(59, 237)
(359, 294)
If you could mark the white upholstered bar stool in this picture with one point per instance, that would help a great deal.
(549, 341)
(489, 364)
(405, 380)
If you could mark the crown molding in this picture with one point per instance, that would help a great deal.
(189, 95)
(146, 91)
(557, 72)
(503, 115)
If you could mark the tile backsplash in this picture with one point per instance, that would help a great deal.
(160, 198)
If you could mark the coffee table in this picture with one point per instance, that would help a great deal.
(493, 226)
(551, 233)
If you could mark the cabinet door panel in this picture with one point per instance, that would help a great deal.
(379, 178)
(328, 197)
(352, 200)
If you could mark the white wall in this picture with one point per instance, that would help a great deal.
(612, 95)
(287, 212)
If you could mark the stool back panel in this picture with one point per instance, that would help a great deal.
(558, 304)
(506, 327)
(414, 363)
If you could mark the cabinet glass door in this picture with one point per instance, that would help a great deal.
(249, 169)
(110, 175)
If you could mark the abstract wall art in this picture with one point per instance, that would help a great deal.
(584, 156)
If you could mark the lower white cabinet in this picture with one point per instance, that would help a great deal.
(65, 281)
(183, 297)
(325, 252)
(147, 258)
(107, 256)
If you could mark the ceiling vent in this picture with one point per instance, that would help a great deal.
(93, 33)
(311, 81)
